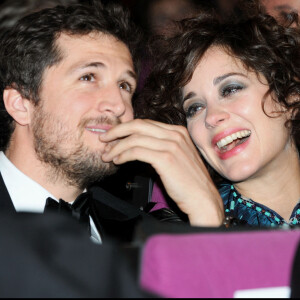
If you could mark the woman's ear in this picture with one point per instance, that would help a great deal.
(17, 106)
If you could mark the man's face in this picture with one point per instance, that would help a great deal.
(85, 94)
(276, 7)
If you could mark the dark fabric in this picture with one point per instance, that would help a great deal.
(295, 275)
(79, 210)
(114, 218)
(166, 215)
(51, 256)
(132, 183)
(5, 201)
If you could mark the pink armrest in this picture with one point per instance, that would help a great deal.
(217, 264)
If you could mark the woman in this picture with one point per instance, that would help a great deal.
(236, 87)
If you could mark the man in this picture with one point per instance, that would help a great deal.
(279, 8)
(12, 11)
(68, 75)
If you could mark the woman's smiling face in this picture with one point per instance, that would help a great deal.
(223, 105)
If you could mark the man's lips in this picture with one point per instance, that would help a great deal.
(98, 129)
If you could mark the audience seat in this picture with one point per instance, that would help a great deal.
(221, 264)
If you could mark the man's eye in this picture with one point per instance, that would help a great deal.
(88, 77)
(193, 109)
(230, 89)
(126, 86)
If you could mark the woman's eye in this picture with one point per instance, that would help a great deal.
(126, 86)
(230, 89)
(193, 109)
(88, 77)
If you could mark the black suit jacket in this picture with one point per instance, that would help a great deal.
(5, 200)
(114, 218)
(51, 255)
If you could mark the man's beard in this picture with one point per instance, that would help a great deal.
(70, 160)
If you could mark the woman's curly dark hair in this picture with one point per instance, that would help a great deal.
(258, 41)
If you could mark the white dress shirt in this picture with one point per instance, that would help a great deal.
(27, 195)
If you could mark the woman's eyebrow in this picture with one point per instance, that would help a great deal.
(218, 79)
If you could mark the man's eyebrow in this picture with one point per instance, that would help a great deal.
(219, 79)
(283, 7)
(81, 66)
(130, 73)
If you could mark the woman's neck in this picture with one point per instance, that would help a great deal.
(278, 189)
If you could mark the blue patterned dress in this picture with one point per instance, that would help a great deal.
(252, 213)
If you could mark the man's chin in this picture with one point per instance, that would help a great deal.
(111, 169)
(93, 174)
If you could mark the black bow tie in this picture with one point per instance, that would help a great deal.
(78, 210)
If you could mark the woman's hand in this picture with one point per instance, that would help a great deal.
(171, 152)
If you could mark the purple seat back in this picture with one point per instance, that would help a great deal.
(158, 197)
(217, 264)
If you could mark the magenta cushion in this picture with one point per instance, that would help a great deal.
(217, 264)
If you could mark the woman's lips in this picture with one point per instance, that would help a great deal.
(231, 142)
(233, 137)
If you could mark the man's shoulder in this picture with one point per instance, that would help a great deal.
(43, 267)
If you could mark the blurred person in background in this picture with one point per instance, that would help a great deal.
(279, 8)
(156, 16)
(12, 11)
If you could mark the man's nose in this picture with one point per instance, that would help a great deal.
(112, 101)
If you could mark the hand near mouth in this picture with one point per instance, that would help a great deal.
(171, 152)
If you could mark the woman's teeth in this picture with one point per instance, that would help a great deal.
(229, 139)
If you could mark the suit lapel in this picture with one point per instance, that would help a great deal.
(113, 217)
(5, 200)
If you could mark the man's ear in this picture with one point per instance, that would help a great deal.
(17, 106)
